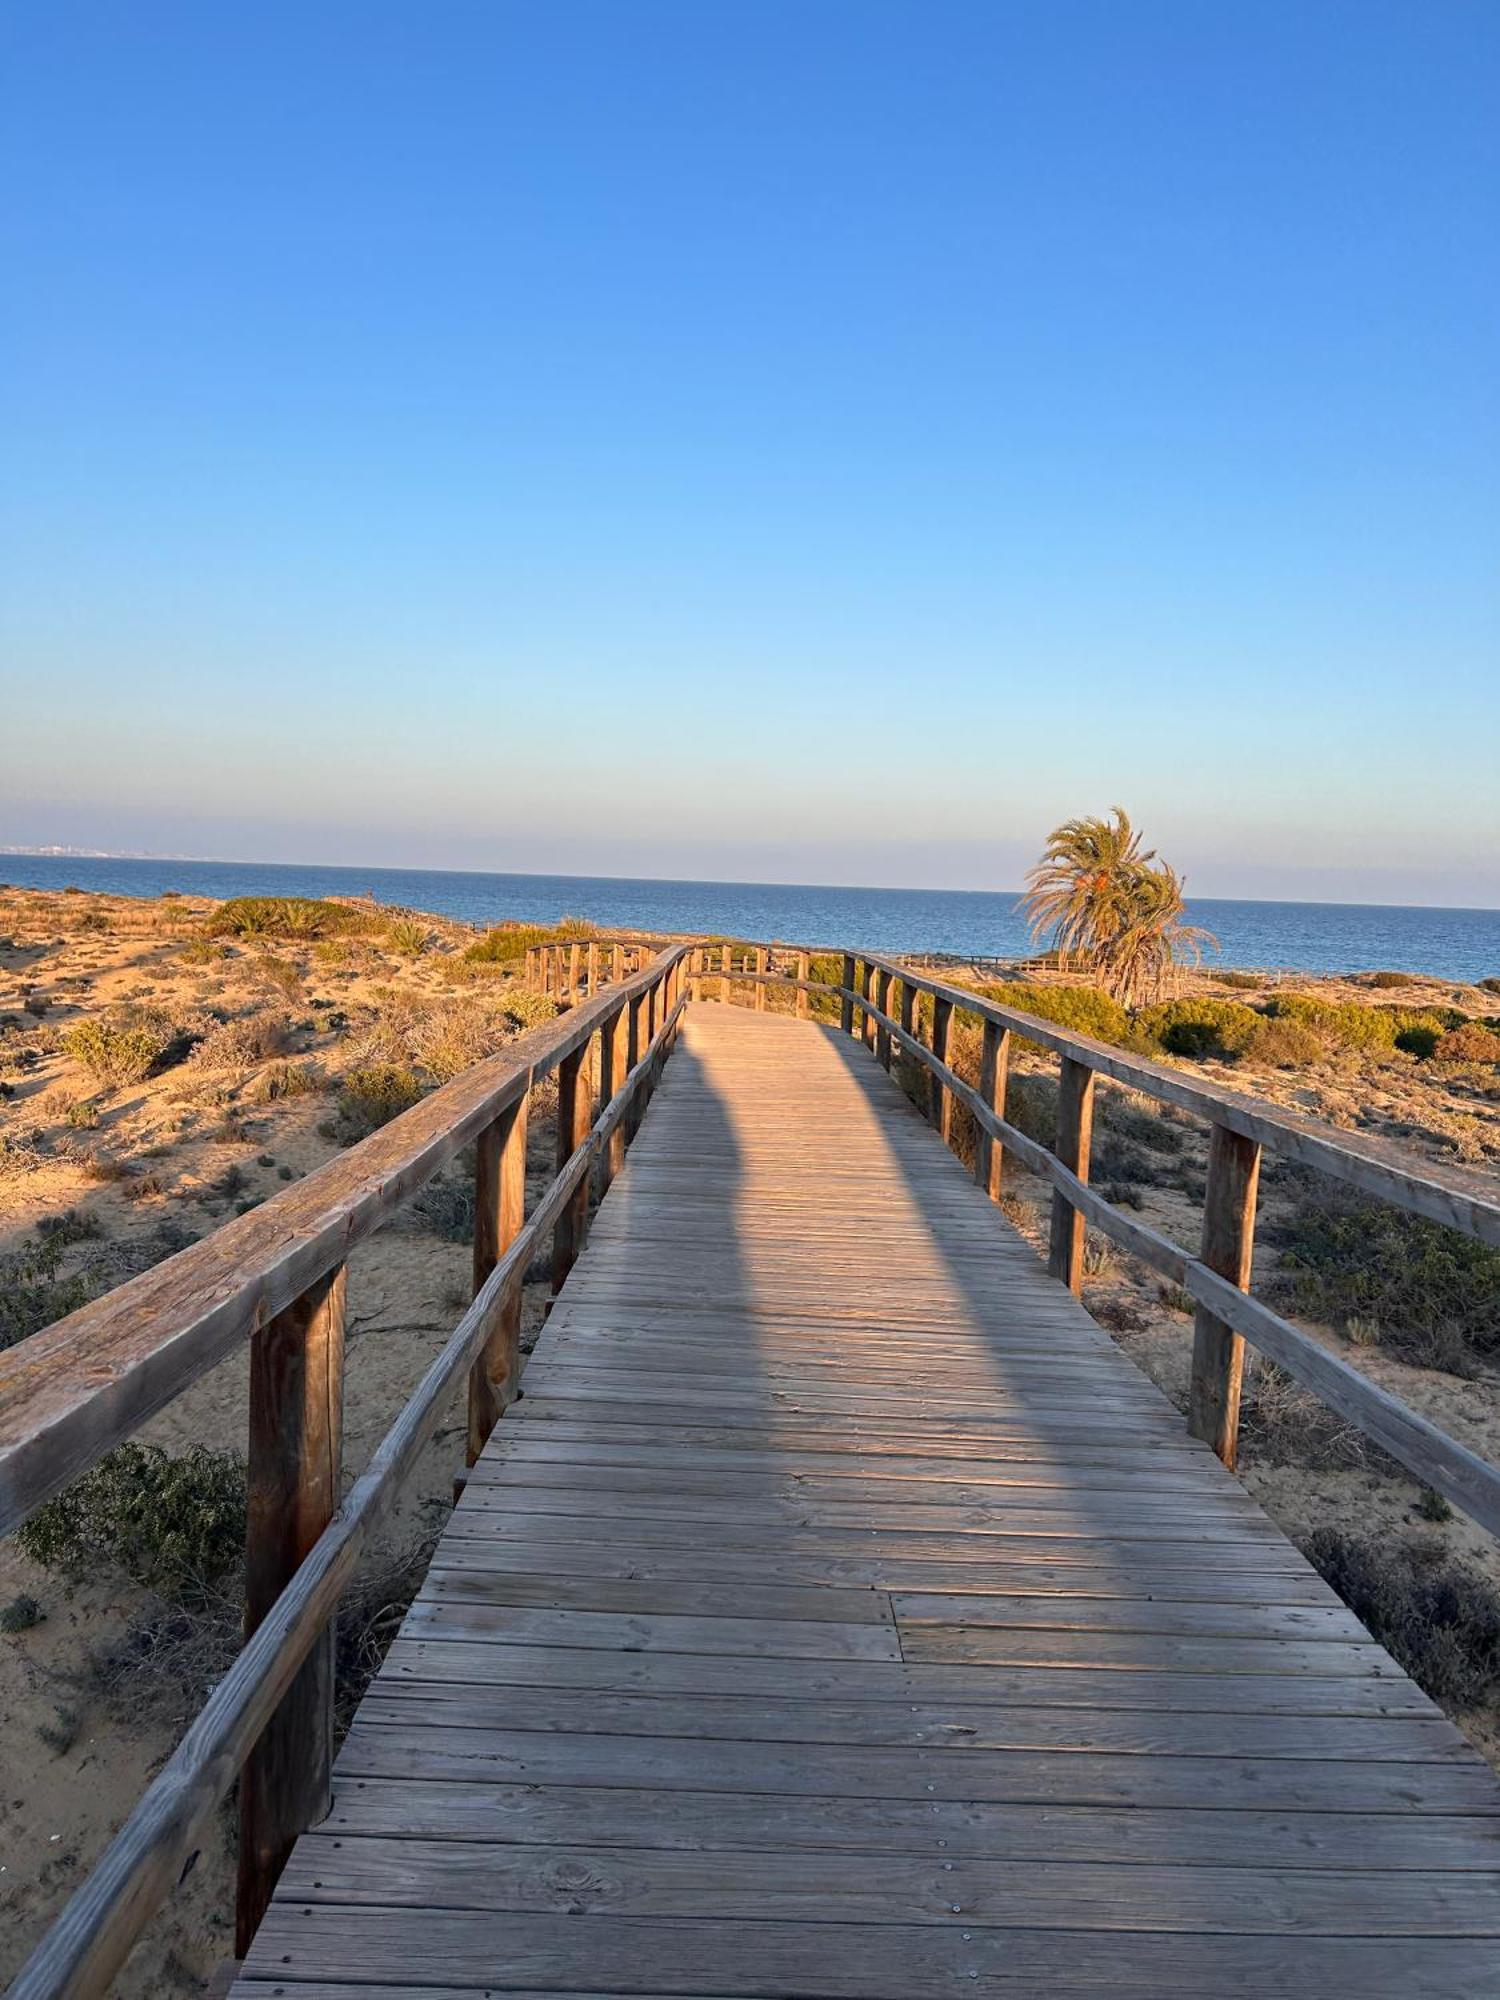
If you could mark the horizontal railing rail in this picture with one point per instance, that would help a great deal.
(275, 1278)
(1217, 1276)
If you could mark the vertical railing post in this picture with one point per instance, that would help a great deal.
(863, 985)
(593, 967)
(499, 1211)
(1075, 1127)
(1228, 1246)
(804, 973)
(610, 1051)
(994, 1075)
(726, 990)
(294, 1480)
(531, 965)
(575, 968)
(574, 1117)
(617, 962)
(619, 1034)
(883, 1002)
(696, 987)
(941, 1101)
(846, 1000)
(761, 960)
(633, 1048)
(908, 1008)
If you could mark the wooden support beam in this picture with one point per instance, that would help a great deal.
(846, 1001)
(617, 962)
(761, 959)
(1228, 1246)
(867, 1019)
(941, 1108)
(696, 988)
(593, 967)
(575, 1114)
(804, 972)
(1075, 1127)
(499, 1210)
(882, 1001)
(294, 1485)
(575, 968)
(994, 1075)
(908, 1007)
(635, 1043)
(619, 1033)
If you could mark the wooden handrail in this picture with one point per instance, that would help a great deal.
(1217, 1279)
(175, 1322)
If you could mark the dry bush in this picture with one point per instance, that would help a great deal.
(371, 1096)
(1281, 1423)
(1472, 1043)
(125, 1044)
(455, 1034)
(1438, 1615)
(285, 1080)
(241, 1043)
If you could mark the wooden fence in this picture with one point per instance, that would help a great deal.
(892, 1008)
(276, 1279)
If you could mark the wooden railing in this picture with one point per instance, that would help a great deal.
(918, 1022)
(571, 967)
(275, 1279)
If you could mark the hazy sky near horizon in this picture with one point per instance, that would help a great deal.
(818, 440)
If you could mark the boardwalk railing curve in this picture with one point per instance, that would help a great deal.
(275, 1278)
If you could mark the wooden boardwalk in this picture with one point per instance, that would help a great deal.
(840, 1613)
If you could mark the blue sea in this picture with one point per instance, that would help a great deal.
(1299, 937)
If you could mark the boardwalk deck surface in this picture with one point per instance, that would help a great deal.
(841, 1614)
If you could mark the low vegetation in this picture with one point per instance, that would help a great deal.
(293, 917)
(1438, 1615)
(507, 944)
(1427, 1293)
(34, 1290)
(174, 1524)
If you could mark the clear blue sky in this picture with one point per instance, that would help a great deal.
(785, 439)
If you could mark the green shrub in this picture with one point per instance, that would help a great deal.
(1432, 1295)
(508, 944)
(1200, 1027)
(1489, 985)
(123, 1045)
(201, 951)
(288, 917)
(528, 1009)
(1082, 1010)
(1472, 1043)
(1285, 1044)
(33, 1293)
(175, 1524)
(372, 1096)
(20, 1615)
(1240, 982)
(408, 936)
(1438, 1616)
(1385, 980)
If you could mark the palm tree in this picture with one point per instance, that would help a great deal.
(1108, 903)
(1079, 890)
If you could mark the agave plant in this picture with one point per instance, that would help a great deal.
(1107, 903)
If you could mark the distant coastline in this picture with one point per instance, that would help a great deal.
(1295, 937)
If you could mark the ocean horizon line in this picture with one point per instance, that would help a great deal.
(680, 881)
